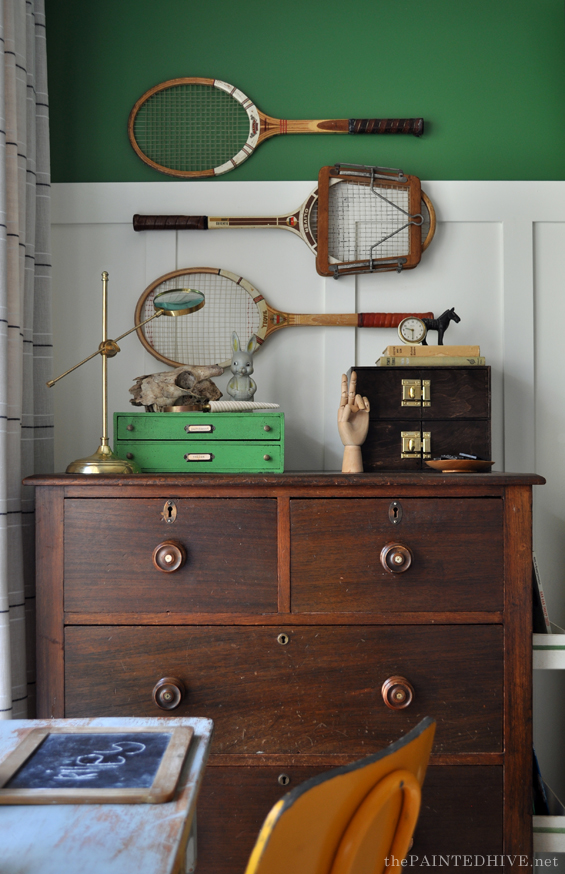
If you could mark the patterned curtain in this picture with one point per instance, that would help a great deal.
(26, 419)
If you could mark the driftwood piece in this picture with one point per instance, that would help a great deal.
(185, 385)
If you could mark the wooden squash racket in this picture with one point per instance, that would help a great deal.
(195, 127)
(232, 304)
(358, 220)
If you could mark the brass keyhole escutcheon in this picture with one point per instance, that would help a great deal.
(168, 693)
(396, 558)
(169, 512)
(169, 556)
(283, 639)
(283, 779)
(397, 693)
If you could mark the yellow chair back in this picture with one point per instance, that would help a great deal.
(351, 820)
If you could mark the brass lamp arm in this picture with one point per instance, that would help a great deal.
(109, 348)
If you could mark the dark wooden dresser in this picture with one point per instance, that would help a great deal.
(315, 618)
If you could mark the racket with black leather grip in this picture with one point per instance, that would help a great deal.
(197, 127)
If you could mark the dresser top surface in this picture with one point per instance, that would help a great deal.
(300, 479)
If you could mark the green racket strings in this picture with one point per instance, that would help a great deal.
(191, 127)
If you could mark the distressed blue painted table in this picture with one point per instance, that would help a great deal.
(105, 838)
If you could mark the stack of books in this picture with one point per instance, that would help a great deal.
(431, 356)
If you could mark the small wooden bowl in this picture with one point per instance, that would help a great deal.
(460, 465)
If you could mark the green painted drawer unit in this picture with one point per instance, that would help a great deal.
(204, 442)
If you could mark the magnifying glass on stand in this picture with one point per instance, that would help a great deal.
(175, 302)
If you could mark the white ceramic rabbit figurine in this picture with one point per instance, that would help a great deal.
(241, 387)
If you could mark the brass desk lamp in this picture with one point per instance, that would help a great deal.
(175, 302)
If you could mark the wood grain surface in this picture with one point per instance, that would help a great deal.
(460, 813)
(456, 625)
(455, 392)
(456, 546)
(320, 693)
(231, 555)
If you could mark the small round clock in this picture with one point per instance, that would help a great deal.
(412, 330)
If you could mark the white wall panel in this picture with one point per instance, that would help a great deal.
(300, 367)
(496, 259)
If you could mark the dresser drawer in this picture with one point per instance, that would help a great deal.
(230, 544)
(258, 425)
(456, 548)
(318, 692)
(461, 813)
(203, 456)
(452, 392)
(386, 448)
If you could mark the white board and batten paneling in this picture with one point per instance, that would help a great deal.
(496, 258)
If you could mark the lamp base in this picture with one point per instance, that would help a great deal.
(103, 461)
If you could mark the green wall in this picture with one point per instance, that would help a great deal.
(488, 77)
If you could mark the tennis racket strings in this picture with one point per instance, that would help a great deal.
(366, 222)
(204, 337)
(191, 127)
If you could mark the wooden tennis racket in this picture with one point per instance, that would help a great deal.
(194, 127)
(232, 304)
(358, 220)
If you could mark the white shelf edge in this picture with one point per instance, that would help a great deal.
(549, 834)
(548, 651)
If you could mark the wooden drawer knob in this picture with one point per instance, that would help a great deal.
(395, 558)
(169, 556)
(168, 693)
(397, 693)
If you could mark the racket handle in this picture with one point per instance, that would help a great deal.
(386, 320)
(386, 126)
(170, 222)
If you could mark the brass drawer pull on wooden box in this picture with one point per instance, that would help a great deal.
(168, 693)
(416, 393)
(397, 693)
(396, 558)
(416, 444)
(169, 556)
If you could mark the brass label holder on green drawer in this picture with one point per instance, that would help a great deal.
(416, 444)
(416, 393)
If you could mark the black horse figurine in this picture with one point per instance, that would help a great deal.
(440, 325)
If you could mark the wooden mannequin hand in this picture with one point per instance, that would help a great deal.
(353, 424)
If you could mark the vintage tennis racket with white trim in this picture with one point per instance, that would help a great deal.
(195, 127)
(232, 304)
(358, 220)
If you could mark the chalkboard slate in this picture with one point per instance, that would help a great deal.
(120, 761)
(94, 765)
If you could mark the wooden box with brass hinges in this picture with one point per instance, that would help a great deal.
(189, 442)
(422, 413)
(315, 618)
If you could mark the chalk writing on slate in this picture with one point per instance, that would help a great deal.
(93, 761)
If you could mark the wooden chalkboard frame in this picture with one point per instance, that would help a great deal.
(162, 789)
